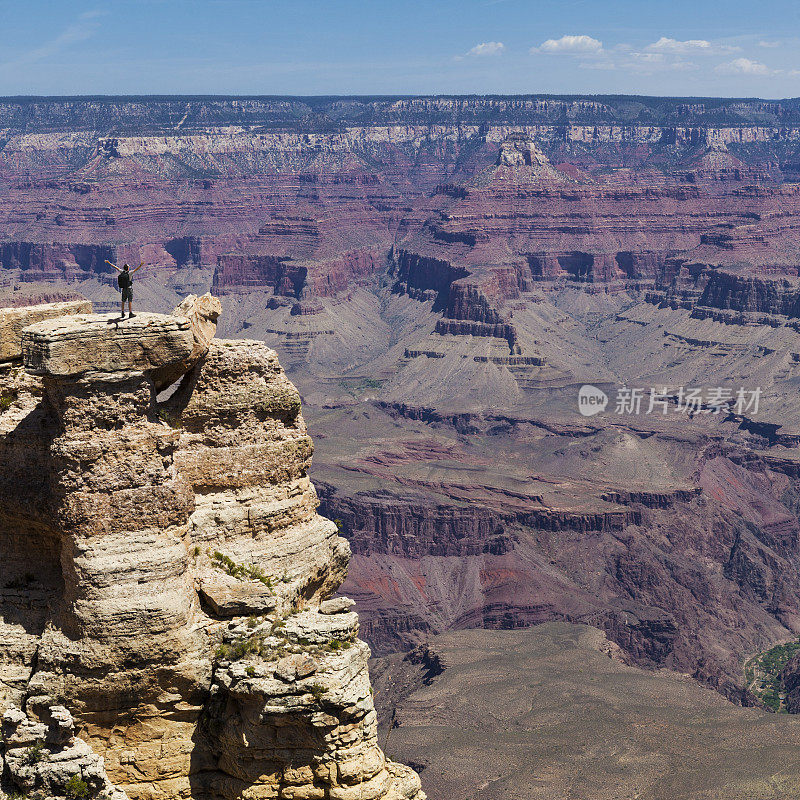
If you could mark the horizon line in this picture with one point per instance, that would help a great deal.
(390, 96)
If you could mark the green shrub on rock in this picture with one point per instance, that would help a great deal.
(76, 788)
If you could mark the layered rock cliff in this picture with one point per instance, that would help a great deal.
(167, 580)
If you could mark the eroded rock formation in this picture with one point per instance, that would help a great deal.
(46, 759)
(167, 579)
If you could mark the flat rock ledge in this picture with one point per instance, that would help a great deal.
(101, 343)
(14, 320)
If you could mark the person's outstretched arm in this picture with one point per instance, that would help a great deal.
(113, 265)
(141, 264)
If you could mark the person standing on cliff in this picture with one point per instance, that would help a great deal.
(125, 283)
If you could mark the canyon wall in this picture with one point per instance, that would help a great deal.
(188, 112)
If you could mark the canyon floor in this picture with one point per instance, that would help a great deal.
(548, 714)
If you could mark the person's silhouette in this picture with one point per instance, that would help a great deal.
(125, 283)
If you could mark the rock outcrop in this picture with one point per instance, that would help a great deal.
(169, 577)
(69, 347)
(13, 320)
(520, 154)
(46, 759)
(202, 313)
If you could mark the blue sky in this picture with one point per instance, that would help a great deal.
(681, 47)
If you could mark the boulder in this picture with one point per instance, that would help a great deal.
(93, 343)
(202, 313)
(228, 597)
(337, 605)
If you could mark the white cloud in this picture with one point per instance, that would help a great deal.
(744, 66)
(602, 65)
(683, 66)
(693, 46)
(487, 49)
(571, 44)
(771, 45)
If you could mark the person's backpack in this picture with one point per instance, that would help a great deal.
(124, 280)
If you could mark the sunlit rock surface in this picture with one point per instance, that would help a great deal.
(165, 570)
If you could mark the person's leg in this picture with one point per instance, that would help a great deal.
(130, 310)
(122, 310)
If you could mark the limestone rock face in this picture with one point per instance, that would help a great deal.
(28, 581)
(169, 578)
(13, 320)
(307, 690)
(71, 346)
(202, 313)
(44, 757)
